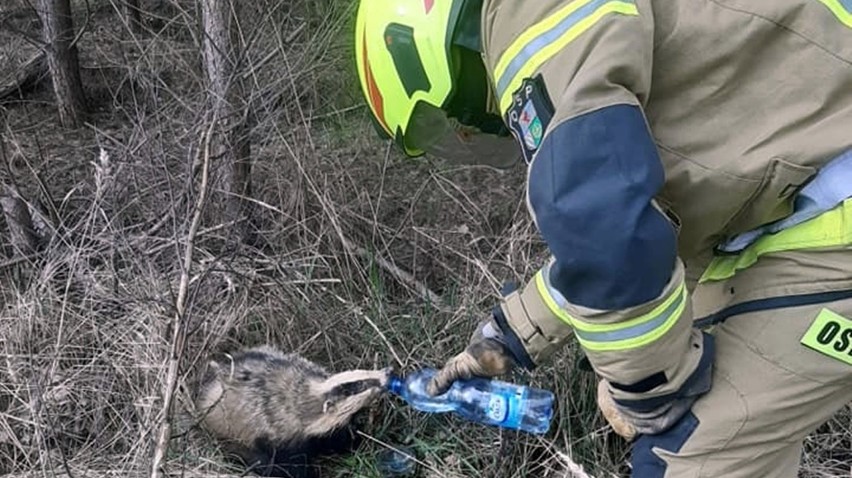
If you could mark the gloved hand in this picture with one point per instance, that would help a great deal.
(629, 423)
(485, 356)
(620, 424)
(522, 330)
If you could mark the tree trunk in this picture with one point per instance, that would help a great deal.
(21, 232)
(232, 171)
(58, 35)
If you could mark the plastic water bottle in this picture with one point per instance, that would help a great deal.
(480, 400)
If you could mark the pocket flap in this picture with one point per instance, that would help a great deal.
(773, 198)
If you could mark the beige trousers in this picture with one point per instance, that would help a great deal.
(769, 389)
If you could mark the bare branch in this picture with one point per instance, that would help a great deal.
(402, 276)
(178, 330)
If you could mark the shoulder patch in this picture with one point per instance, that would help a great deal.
(529, 115)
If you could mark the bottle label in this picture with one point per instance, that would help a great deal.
(516, 408)
(497, 408)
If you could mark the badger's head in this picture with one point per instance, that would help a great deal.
(343, 395)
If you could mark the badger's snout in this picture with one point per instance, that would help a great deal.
(385, 377)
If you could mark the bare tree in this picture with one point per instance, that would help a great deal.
(232, 148)
(62, 62)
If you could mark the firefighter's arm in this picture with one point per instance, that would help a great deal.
(615, 279)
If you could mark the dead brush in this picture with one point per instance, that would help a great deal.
(362, 259)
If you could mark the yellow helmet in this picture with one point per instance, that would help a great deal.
(410, 57)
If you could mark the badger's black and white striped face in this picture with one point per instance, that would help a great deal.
(280, 409)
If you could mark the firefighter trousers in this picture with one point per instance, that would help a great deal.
(783, 367)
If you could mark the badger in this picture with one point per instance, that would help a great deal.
(275, 412)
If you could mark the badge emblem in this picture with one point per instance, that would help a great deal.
(530, 126)
(529, 115)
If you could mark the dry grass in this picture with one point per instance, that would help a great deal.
(86, 326)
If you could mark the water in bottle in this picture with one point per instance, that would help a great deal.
(480, 400)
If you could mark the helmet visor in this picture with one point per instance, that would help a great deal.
(431, 131)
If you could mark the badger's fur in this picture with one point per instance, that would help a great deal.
(276, 411)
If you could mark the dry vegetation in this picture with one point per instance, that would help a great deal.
(338, 219)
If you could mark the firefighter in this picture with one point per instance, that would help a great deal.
(689, 168)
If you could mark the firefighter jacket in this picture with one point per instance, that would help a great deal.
(654, 130)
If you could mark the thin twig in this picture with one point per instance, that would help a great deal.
(402, 276)
(176, 347)
(572, 469)
(29, 73)
(292, 36)
(17, 260)
(337, 112)
(360, 313)
(203, 232)
(9, 26)
(258, 65)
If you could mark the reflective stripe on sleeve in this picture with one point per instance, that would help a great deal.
(546, 38)
(632, 333)
(842, 9)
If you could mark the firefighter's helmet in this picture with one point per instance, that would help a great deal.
(423, 79)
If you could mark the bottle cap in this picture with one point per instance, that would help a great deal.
(395, 385)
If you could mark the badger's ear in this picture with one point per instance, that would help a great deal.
(213, 367)
(210, 373)
(220, 366)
